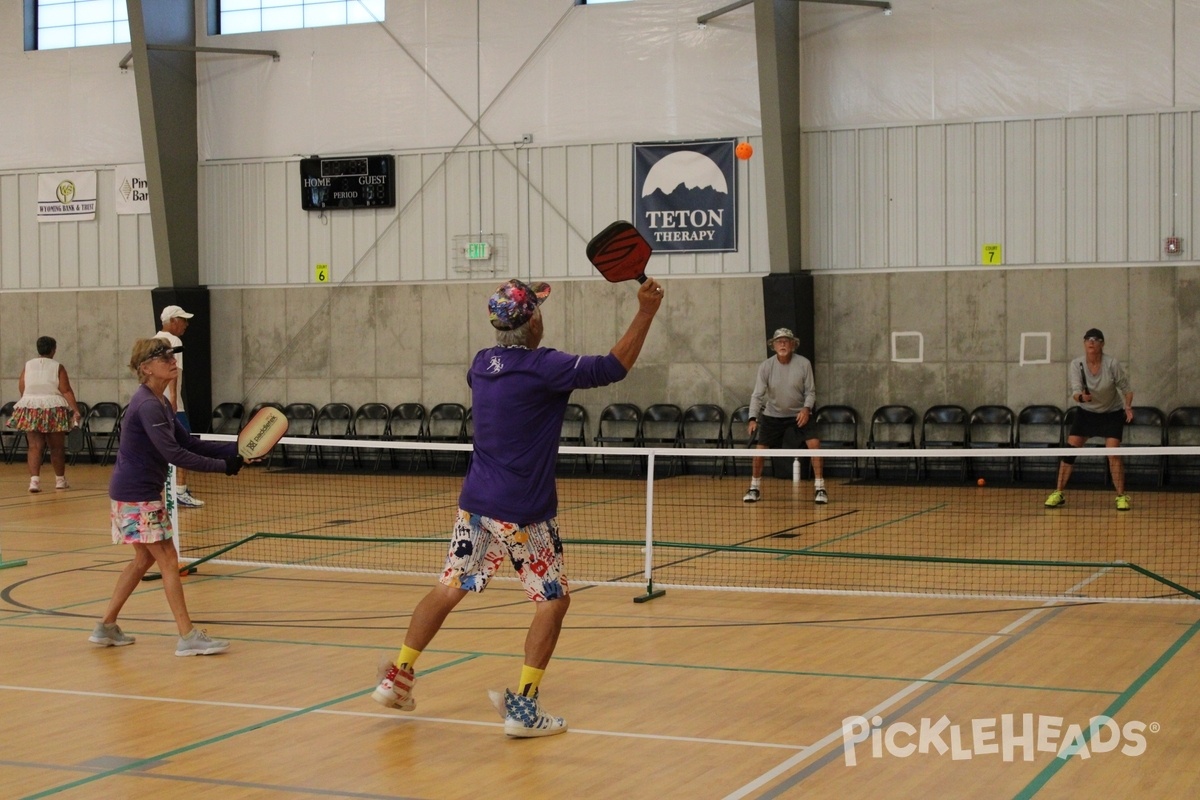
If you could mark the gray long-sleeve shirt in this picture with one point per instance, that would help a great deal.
(781, 390)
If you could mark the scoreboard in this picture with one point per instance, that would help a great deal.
(355, 182)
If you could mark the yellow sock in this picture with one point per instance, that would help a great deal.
(408, 657)
(530, 679)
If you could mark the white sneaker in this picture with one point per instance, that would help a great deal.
(751, 496)
(197, 643)
(61, 483)
(821, 498)
(395, 686)
(186, 500)
(35, 485)
(523, 717)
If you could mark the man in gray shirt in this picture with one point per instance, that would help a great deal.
(784, 398)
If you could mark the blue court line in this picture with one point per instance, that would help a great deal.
(143, 762)
(1057, 763)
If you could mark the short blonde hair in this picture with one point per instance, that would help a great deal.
(143, 351)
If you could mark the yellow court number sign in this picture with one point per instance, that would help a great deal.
(322, 273)
(991, 254)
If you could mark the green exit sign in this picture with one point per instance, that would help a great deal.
(477, 251)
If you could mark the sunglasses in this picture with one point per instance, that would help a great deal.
(1094, 339)
(163, 353)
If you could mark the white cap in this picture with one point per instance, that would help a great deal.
(171, 312)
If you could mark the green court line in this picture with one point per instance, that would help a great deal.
(1057, 763)
(471, 654)
(135, 765)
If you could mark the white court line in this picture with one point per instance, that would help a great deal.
(384, 715)
(894, 700)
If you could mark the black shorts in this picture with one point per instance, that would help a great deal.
(771, 430)
(1109, 425)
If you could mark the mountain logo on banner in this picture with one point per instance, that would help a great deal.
(685, 196)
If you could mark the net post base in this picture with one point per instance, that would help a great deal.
(650, 594)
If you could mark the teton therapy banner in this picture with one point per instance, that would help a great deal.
(66, 196)
(685, 195)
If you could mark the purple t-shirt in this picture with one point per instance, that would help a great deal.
(519, 397)
(151, 438)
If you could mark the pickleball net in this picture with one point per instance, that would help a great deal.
(908, 522)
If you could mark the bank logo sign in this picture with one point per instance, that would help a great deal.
(133, 189)
(66, 197)
(685, 196)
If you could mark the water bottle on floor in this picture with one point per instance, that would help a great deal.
(795, 470)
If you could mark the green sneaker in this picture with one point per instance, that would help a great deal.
(1122, 502)
(1056, 499)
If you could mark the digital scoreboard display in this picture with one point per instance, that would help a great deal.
(357, 182)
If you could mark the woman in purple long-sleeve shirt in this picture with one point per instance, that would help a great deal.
(152, 438)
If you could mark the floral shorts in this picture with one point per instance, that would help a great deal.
(479, 545)
(143, 522)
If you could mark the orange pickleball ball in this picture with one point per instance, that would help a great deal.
(743, 151)
(980, 482)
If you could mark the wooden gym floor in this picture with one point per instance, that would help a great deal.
(699, 694)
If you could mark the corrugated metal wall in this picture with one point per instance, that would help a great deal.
(1055, 191)
(108, 252)
(546, 201)
(1052, 192)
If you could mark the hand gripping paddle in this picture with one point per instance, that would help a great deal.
(262, 432)
(620, 253)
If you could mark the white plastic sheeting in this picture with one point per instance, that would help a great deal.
(632, 71)
(972, 59)
(641, 70)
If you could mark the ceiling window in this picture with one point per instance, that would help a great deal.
(246, 16)
(55, 24)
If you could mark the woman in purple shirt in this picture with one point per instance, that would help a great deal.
(152, 438)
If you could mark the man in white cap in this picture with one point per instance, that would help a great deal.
(174, 324)
(784, 398)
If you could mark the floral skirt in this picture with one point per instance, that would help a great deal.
(41, 420)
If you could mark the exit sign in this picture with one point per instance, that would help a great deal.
(478, 251)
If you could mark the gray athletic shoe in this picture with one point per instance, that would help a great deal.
(110, 635)
(197, 643)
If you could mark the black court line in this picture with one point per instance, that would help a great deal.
(725, 549)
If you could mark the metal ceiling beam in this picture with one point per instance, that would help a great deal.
(882, 5)
(274, 54)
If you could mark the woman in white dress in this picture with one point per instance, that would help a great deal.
(45, 412)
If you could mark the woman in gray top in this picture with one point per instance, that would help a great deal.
(1101, 387)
